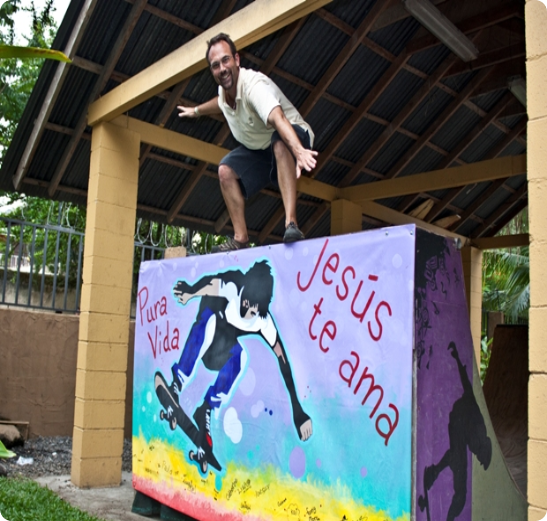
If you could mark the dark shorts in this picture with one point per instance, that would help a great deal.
(257, 169)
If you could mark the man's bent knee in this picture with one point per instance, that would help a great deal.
(226, 174)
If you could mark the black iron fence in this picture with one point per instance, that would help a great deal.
(41, 264)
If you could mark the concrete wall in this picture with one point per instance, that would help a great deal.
(38, 370)
(536, 78)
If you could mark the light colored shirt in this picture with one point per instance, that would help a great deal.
(256, 324)
(257, 95)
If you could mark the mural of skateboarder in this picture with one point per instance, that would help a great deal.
(233, 304)
(466, 430)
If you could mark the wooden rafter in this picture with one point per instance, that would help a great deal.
(390, 216)
(436, 180)
(509, 215)
(502, 241)
(498, 149)
(53, 92)
(488, 59)
(459, 149)
(500, 211)
(115, 53)
(375, 147)
(344, 55)
(447, 113)
(246, 26)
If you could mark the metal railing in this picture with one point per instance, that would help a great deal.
(41, 265)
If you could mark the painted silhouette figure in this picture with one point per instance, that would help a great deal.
(233, 304)
(466, 430)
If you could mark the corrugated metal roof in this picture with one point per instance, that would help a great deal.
(300, 68)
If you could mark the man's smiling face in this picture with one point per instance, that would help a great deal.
(224, 66)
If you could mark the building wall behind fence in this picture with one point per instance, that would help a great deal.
(38, 370)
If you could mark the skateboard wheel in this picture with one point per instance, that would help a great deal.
(162, 415)
(173, 423)
(204, 466)
(191, 455)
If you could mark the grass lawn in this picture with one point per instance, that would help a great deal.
(25, 500)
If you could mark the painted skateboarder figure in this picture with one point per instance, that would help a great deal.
(233, 304)
(466, 430)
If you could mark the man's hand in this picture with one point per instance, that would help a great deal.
(305, 161)
(186, 112)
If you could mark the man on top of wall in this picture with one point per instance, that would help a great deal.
(275, 140)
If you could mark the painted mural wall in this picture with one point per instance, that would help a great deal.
(276, 382)
(460, 471)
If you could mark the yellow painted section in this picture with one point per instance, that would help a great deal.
(105, 306)
(472, 274)
(535, 17)
(346, 217)
(99, 414)
(96, 472)
(438, 179)
(97, 444)
(173, 141)
(537, 401)
(258, 494)
(100, 356)
(383, 213)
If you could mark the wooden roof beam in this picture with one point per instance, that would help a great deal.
(420, 95)
(493, 169)
(172, 141)
(460, 148)
(498, 149)
(502, 241)
(447, 113)
(509, 216)
(53, 92)
(500, 211)
(390, 216)
(246, 26)
(487, 59)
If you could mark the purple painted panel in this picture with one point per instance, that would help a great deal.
(450, 428)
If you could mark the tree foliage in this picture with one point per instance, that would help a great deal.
(18, 76)
(506, 276)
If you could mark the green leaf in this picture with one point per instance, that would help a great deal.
(14, 51)
(5, 453)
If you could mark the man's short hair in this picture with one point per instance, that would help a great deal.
(258, 287)
(221, 37)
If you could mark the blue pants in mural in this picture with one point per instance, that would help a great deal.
(223, 355)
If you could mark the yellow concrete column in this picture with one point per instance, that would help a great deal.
(536, 80)
(105, 307)
(472, 274)
(345, 217)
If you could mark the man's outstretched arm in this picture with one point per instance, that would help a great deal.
(207, 286)
(205, 109)
(302, 421)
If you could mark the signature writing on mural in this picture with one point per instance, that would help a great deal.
(150, 313)
(232, 489)
(361, 307)
(263, 490)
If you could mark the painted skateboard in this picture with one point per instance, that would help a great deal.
(423, 501)
(174, 414)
